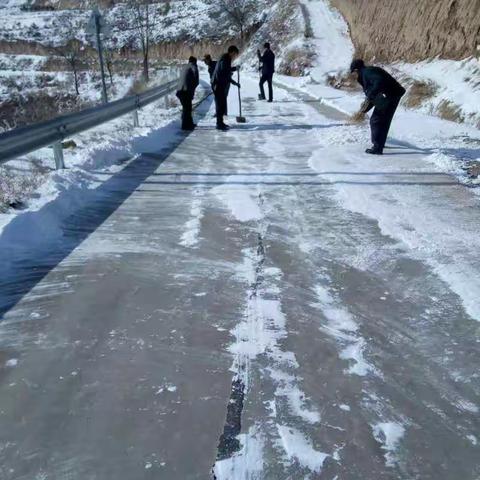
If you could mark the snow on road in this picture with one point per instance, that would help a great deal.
(268, 301)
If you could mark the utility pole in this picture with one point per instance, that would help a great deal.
(96, 27)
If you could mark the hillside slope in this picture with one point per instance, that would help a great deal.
(412, 30)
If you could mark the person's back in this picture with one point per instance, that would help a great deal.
(376, 80)
(221, 81)
(188, 83)
(222, 76)
(211, 65)
(268, 62)
(189, 79)
(384, 93)
(211, 68)
(268, 69)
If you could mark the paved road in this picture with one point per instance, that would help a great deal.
(215, 303)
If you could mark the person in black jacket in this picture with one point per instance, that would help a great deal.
(189, 80)
(211, 64)
(384, 93)
(268, 69)
(221, 80)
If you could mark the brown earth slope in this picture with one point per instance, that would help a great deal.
(411, 30)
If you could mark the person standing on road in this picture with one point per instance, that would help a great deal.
(211, 65)
(268, 69)
(189, 81)
(221, 80)
(384, 93)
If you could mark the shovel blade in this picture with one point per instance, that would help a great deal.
(241, 120)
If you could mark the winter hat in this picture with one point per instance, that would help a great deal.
(357, 64)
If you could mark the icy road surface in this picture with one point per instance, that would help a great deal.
(269, 303)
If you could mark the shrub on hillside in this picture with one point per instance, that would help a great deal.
(16, 186)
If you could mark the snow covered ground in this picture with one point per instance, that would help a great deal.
(450, 147)
(273, 283)
(271, 301)
(105, 146)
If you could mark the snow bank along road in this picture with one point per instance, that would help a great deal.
(267, 303)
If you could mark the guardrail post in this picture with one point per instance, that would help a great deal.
(58, 155)
(136, 122)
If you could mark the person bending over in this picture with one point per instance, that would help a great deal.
(221, 81)
(384, 93)
(211, 64)
(189, 80)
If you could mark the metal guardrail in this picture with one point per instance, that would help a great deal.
(23, 140)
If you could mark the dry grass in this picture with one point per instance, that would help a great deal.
(473, 171)
(449, 111)
(296, 62)
(16, 186)
(25, 109)
(138, 86)
(419, 92)
(344, 81)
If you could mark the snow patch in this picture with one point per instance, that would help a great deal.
(298, 449)
(192, 227)
(295, 397)
(247, 463)
(473, 439)
(331, 43)
(166, 388)
(241, 201)
(389, 434)
(342, 326)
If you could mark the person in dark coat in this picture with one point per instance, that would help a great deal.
(189, 80)
(384, 93)
(211, 65)
(268, 69)
(221, 80)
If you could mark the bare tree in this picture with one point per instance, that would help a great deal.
(109, 54)
(71, 52)
(143, 12)
(239, 12)
(144, 17)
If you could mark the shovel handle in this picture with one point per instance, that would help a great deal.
(239, 96)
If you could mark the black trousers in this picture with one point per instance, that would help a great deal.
(221, 104)
(269, 79)
(186, 100)
(381, 121)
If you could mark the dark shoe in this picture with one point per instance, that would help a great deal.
(374, 151)
(223, 128)
(261, 97)
(270, 101)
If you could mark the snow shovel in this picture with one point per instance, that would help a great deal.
(240, 118)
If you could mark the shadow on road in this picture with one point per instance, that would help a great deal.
(32, 245)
